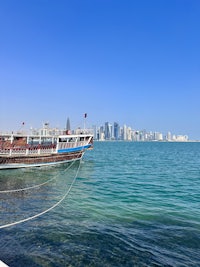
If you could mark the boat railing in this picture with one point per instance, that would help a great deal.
(4, 151)
(32, 150)
(37, 151)
(18, 151)
(40, 149)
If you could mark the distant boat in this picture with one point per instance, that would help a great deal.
(46, 147)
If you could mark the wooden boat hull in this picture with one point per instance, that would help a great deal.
(23, 151)
(14, 162)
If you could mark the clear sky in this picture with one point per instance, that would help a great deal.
(133, 62)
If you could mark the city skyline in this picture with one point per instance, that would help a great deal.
(132, 61)
(114, 131)
(110, 131)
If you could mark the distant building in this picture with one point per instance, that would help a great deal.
(158, 136)
(124, 132)
(169, 136)
(108, 131)
(181, 138)
(68, 128)
(129, 134)
(100, 133)
(95, 131)
(116, 131)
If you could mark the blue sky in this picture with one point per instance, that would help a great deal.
(134, 62)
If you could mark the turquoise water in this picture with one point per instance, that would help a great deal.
(132, 204)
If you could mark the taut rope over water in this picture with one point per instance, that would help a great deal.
(34, 186)
(47, 210)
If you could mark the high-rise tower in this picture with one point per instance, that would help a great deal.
(116, 131)
(68, 126)
(108, 131)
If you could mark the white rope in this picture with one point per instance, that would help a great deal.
(32, 187)
(47, 210)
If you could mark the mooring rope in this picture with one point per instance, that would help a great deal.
(47, 210)
(34, 186)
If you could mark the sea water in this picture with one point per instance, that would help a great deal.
(124, 204)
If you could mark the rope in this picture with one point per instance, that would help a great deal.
(34, 186)
(47, 210)
(39, 185)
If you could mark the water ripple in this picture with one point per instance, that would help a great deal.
(133, 204)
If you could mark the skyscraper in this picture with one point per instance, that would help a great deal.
(124, 132)
(116, 131)
(68, 126)
(108, 131)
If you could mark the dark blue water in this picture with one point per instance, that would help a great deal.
(132, 204)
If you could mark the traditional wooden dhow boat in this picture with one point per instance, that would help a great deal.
(44, 148)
